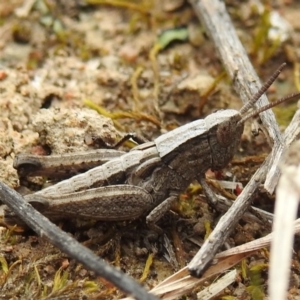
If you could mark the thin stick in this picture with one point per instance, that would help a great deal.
(235, 212)
(292, 132)
(227, 223)
(43, 227)
(215, 19)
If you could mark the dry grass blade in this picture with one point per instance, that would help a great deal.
(286, 208)
(181, 282)
(217, 286)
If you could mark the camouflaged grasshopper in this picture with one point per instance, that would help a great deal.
(150, 177)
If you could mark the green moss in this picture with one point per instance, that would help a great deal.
(284, 116)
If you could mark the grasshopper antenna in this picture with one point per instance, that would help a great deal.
(262, 90)
(270, 105)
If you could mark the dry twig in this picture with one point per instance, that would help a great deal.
(43, 227)
(286, 209)
(216, 20)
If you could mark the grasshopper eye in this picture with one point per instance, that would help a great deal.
(225, 133)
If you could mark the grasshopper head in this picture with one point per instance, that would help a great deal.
(225, 135)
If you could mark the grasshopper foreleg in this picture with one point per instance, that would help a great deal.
(159, 211)
(210, 195)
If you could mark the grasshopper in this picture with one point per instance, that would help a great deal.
(149, 178)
